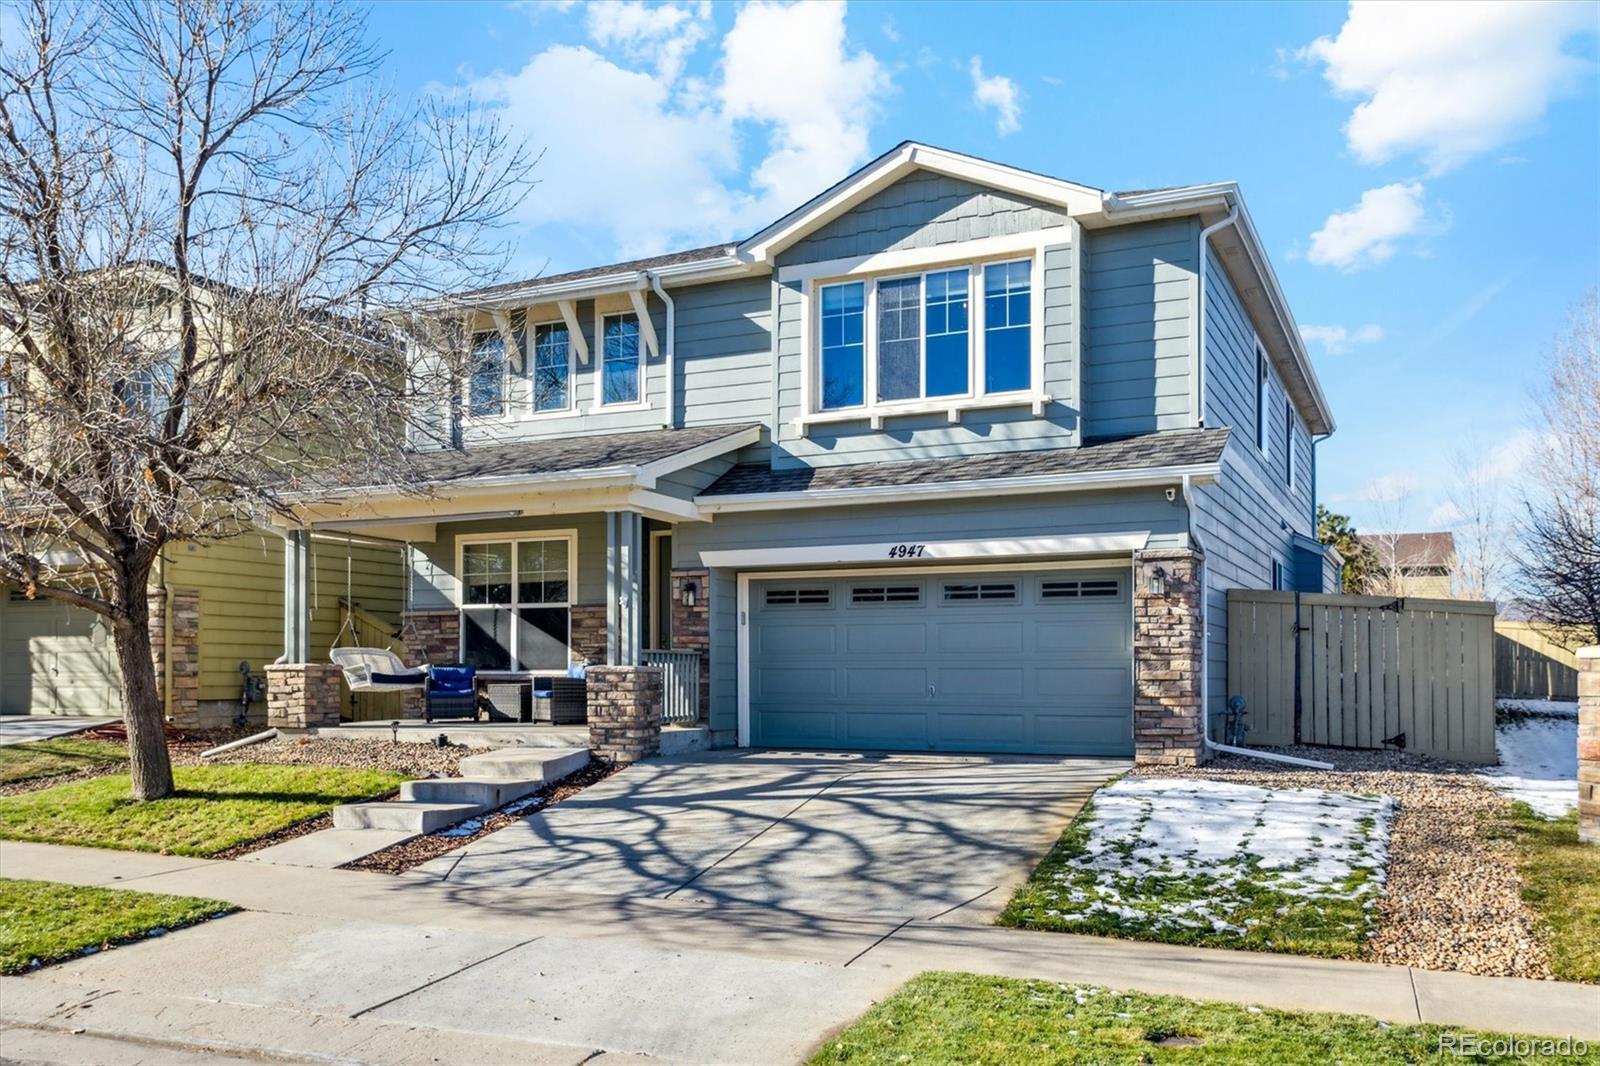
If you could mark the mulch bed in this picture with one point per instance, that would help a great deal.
(418, 850)
(1453, 898)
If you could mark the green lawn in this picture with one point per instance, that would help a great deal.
(51, 758)
(970, 1019)
(214, 808)
(49, 922)
(1561, 882)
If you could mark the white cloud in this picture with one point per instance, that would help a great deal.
(1366, 233)
(1391, 489)
(637, 150)
(1000, 93)
(1449, 81)
(1445, 514)
(1337, 340)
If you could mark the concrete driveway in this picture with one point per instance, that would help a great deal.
(905, 837)
(25, 728)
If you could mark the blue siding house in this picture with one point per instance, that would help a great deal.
(953, 457)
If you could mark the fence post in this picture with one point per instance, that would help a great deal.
(1589, 745)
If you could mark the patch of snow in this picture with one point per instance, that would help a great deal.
(1538, 763)
(1558, 708)
(1219, 843)
(461, 829)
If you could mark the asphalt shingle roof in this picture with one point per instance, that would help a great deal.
(565, 454)
(1418, 550)
(654, 262)
(1173, 448)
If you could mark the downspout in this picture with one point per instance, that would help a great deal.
(1205, 654)
(1200, 385)
(669, 417)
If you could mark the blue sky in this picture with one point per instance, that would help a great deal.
(1426, 177)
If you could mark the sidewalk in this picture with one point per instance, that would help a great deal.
(555, 977)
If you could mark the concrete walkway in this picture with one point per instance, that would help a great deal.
(25, 728)
(371, 968)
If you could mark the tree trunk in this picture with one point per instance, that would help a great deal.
(142, 709)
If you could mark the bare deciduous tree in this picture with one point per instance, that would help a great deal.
(1389, 503)
(200, 200)
(1480, 534)
(1558, 565)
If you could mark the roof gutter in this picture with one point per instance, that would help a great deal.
(1200, 345)
(669, 417)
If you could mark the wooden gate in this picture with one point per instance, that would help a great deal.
(1370, 672)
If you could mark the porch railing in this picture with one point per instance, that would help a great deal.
(680, 683)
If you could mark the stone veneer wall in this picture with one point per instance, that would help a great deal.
(1589, 745)
(589, 632)
(691, 627)
(301, 695)
(625, 712)
(1168, 644)
(429, 637)
(183, 693)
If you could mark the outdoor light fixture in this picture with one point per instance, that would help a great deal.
(1158, 582)
(691, 591)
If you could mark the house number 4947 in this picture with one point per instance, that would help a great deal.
(908, 551)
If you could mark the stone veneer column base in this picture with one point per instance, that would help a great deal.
(302, 695)
(691, 626)
(1168, 643)
(1589, 745)
(625, 712)
(429, 637)
(183, 661)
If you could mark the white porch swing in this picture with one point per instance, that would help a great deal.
(375, 670)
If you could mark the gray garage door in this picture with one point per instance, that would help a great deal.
(54, 660)
(1036, 662)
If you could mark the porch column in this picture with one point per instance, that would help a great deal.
(624, 587)
(296, 596)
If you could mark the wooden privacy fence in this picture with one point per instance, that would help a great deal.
(1366, 671)
(1528, 664)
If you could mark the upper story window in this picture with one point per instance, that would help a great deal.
(901, 339)
(1007, 326)
(5, 404)
(552, 367)
(620, 361)
(147, 390)
(486, 382)
(1288, 445)
(1263, 397)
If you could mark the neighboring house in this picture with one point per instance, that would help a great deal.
(927, 464)
(214, 606)
(1415, 564)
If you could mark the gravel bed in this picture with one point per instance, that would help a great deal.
(418, 850)
(414, 760)
(1454, 898)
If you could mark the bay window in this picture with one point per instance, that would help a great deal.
(516, 603)
(895, 340)
(552, 367)
(620, 361)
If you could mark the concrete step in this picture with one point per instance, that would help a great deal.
(486, 792)
(514, 764)
(414, 816)
(329, 848)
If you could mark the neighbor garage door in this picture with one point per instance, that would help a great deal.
(1036, 661)
(54, 660)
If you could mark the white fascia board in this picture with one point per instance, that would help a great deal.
(700, 453)
(894, 165)
(667, 508)
(931, 551)
(1189, 199)
(702, 270)
(1198, 473)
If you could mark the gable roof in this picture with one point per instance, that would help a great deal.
(1414, 551)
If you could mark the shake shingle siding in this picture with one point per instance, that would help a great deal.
(1138, 327)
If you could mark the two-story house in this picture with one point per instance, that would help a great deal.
(953, 457)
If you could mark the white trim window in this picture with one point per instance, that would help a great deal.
(550, 369)
(515, 601)
(621, 360)
(913, 338)
(1263, 398)
(486, 377)
(1288, 445)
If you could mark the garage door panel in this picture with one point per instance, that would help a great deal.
(55, 659)
(798, 639)
(994, 682)
(863, 637)
(980, 636)
(887, 682)
(1025, 669)
(794, 682)
(886, 729)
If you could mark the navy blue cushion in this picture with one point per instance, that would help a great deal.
(453, 678)
(399, 679)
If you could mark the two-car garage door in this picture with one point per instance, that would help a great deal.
(1035, 662)
(54, 659)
